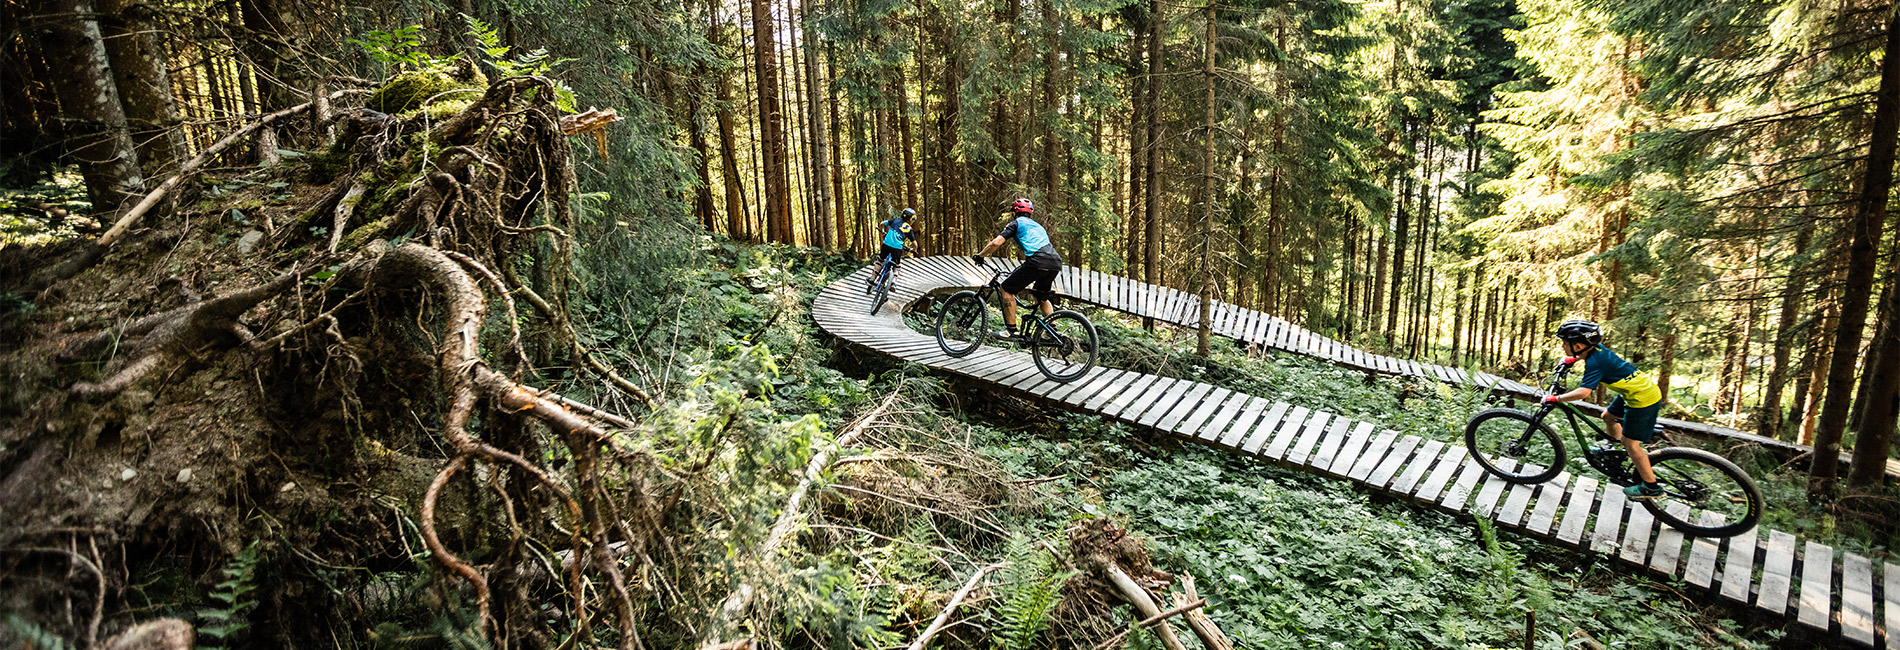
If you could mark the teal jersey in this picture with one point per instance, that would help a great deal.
(896, 231)
(1031, 238)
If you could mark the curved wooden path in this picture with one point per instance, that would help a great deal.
(1837, 593)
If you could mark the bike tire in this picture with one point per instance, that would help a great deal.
(1486, 432)
(1726, 490)
(1064, 361)
(965, 312)
(883, 293)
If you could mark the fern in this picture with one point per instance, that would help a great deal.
(1029, 590)
(228, 620)
(36, 637)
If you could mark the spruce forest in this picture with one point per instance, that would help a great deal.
(561, 324)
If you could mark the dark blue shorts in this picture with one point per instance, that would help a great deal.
(1639, 424)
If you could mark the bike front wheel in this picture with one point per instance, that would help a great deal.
(1703, 494)
(882, 294)
(1064, 346)
(962, 323)
(1515, 446)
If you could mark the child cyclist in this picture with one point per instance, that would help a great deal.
(896, 233)
(1632, 414)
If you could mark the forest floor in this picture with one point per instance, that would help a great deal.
(949, 479)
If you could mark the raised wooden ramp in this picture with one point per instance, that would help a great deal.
(1778, 573)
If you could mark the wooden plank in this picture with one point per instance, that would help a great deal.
(1777, 574)
(1152, 398)
(1550, 495)
(1415, 469)
(1078, 390)
(1135, 392)
(1739, 571)
(1442, 474)
(1394, 459)
(1330, 444)
(1355, 448)
(1460, 492)
(1890, 578)
(1669, 543)
(1636, 536)
(1857, 599)
(1490, 491)
(1284, 435)
(1188, 418)
(1517, 500)
(1127, 381)
(1303, 448)
(1583, 499)
(1172, 413)
(1374, 453)
(1257, 433)
(1230, 414)
(1701, 569)
(1609, 527)
(1817, 586)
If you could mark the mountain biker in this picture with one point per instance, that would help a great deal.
(1041, 263)
(896, 232)
(1632, 414)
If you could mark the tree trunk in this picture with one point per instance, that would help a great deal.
(1771, 412)
(1870, 216)
(95, 126)
(1151, 237)
(1667, 368)
(1881, 383)
(139, 70)
(820, 150)
(1206, 289)
(777, 196)
(1724, 387)
(903, 124)
(736, 208)
(271, 43)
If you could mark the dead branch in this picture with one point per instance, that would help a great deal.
(943, 616)
(736, 602)
(1197, 620)
(1185, 608)
(1137, 596)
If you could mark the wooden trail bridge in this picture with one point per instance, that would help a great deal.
(1843, 594)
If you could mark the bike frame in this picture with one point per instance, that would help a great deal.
(995, 287)
(1625, 473)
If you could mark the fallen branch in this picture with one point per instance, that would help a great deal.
(735, 603)
(191, 167)
(948, 608)
(1152, 621)
(1197, 620)
(1137, 596)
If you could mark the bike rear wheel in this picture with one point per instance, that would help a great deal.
(1703, 494)
(962, 323)
(1515, 447)
(1063, 346)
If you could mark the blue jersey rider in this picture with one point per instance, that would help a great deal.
(1632, 414)
(1040, 264)
(897, 234)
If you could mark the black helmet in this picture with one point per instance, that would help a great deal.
(908, 213)
(1577, 330)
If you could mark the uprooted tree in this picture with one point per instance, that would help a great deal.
(366, 310)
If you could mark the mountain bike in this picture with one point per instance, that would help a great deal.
(1522, 447)
(879, 287)
(1063, 343)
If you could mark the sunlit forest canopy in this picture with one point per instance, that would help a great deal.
(489, 323)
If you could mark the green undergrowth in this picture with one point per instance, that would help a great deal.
(1435, 411)
(1292, 561)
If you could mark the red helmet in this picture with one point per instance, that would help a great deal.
(1023, 205)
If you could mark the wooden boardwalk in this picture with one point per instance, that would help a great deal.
(1842, 594)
